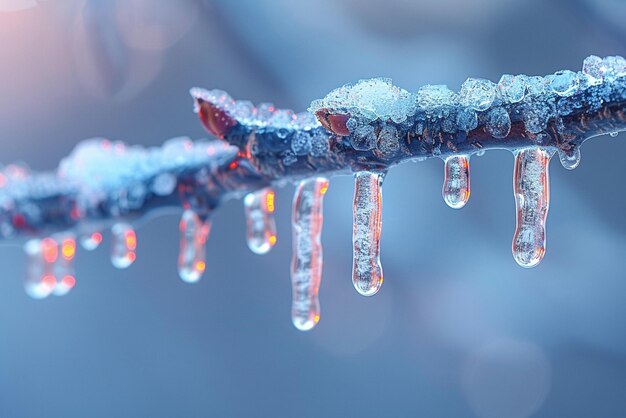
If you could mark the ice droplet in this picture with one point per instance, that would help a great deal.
(564, 83)
(124, 244)
(613, 134)
(594, 69)
(164, 184)
(306, 264)
(570, 160)
(456, 183)
(531, 187)
(512, 88)
(90, 241)
(260, 223)
(498, 122)
(466, 119)
(192, 254)
(367, 273)
(477, 93)
(39, 282)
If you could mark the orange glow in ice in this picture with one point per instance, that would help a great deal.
(324, 189)
(68, 281)
(96, 237)
(131, 240)
(200, 265)
(269, 201)
(68, 248)
(272, 239)
(49, 280)
(49, 250)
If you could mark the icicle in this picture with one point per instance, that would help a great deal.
(91, 241)
(531, 186)
(63, 267)
(570, 160)
(40, 281)
(193, 235)
(123, 246)
(367, 273)
(260, 224)
(456, 184)
(306, 263)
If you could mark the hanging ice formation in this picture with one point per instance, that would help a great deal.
(361, 129)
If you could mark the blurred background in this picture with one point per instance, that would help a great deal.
(458, 329)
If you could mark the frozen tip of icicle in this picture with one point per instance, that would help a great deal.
(192, 253)
(570, 160)
(259, 209)
(456, 184)
(307, 258)
(367, 275)
(123, 245)
(531, 187)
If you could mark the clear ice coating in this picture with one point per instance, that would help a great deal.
(194, 232)
(260, 224)
(123, 245)
(306, 263)
(456, 183)
(531, 187)
(367, 272)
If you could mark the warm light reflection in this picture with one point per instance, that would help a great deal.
(269, 200)
(68, 248)
(49, 249)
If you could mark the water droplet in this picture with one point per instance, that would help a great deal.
(571, 159)
(301, 143)
(531, 187)
(124, 244)
(477, 93)
(564, 83)
(456, 183)
(91, 241)
(367, 273)
(466, 119)
(306, 264)
(363, 138)
(498, 122)
(260, 223)
(164, 184)
(613, 134)
(192, 254)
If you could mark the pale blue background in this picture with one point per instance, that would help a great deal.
(458, 330)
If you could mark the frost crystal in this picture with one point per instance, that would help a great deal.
(436, 101)
(477, 93)
(371, 99)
